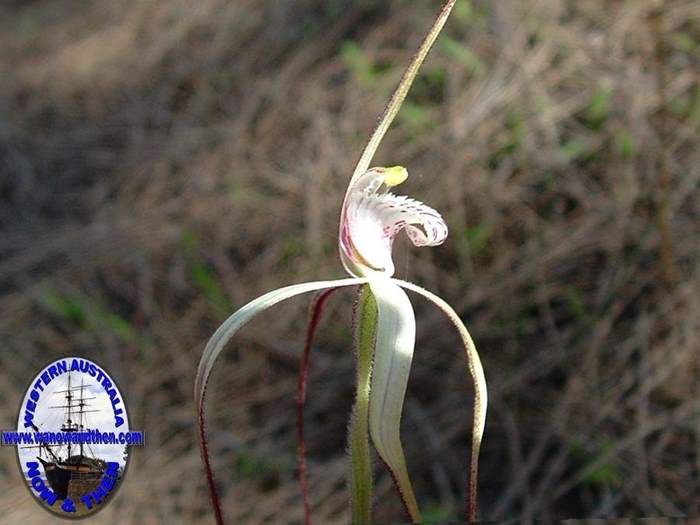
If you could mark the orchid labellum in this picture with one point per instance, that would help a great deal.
(385, 326)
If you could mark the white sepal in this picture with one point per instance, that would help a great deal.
(396, 336)
(480, 393)
(237, 320)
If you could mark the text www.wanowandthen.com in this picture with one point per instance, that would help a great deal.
(85, 437)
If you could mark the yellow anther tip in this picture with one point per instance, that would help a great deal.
(395, 175)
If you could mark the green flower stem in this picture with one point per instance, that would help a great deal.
(365, 321)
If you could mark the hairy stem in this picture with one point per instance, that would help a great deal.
(314, 318)
(365, 326)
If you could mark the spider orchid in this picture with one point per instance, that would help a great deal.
(384, 321)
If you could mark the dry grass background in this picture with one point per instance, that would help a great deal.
(163, 162)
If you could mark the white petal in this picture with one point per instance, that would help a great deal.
(396, 335)
(480, 392)
(371, 221)
(236, 321)
(217, 343)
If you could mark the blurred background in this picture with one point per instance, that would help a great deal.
(164, 162)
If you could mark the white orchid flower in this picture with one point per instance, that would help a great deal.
(371, 217)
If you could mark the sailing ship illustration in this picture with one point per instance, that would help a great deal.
(71, 472)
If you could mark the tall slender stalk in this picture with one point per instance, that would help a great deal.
(365, 326)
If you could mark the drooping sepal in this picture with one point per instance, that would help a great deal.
(476, 371)
(396, 335)
(216, 345)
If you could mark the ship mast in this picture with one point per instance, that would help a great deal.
(82, 406)
(70, 425)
